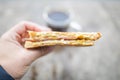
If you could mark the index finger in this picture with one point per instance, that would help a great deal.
(24, 26)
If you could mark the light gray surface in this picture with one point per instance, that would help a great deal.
(100, 62)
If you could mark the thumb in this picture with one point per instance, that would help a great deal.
(34, 54)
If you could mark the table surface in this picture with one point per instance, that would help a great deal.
(100, 62)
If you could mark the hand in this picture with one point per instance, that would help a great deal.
(14, 58)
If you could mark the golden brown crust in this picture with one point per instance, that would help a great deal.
(29, 44)
(40, 36)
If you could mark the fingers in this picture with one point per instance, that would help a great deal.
(24, 26)
(41, 51)
(19, 31)
(34, 54)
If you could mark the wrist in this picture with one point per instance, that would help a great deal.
(5, 59)
(4, 75)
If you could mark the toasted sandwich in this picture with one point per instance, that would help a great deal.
(39, 39)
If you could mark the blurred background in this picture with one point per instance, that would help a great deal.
(99, 62)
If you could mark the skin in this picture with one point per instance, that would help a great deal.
(14, 58)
